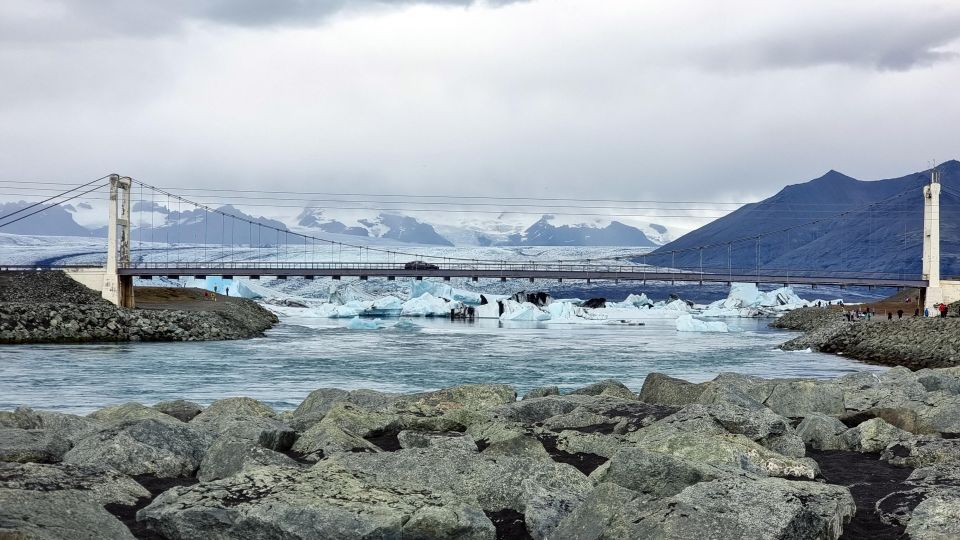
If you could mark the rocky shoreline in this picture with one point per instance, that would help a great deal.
(49, 307)
(736, 457)
(913, 342)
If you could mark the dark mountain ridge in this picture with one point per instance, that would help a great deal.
(833, 223)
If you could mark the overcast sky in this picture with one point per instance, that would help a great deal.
(678, 100)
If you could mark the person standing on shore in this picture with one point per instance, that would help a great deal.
(943, 310)
(899, 313)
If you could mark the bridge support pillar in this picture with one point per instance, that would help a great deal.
(118, 289)
(933, 294)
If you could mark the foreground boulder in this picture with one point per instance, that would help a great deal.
(55, 515)
(742, 508)
(322, 502)
(99, 484)
(161, 449)
(31, 445)
(127, 412)
(180, 409)
(663, 389)
(540, 489)
(247, 419)
(326, 439)
(464, 396)
(227, 457)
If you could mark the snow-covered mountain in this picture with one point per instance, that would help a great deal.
(384, 225)
(180, 224)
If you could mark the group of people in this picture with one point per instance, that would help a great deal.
(868, 313)
(855, 315)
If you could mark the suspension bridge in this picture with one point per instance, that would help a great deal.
(224, 244)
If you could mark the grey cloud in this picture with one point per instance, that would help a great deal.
(884, 43)
(68, 20)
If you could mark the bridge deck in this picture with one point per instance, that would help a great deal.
(523, 271)
(508, 271)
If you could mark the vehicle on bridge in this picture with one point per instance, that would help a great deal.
(420, 265)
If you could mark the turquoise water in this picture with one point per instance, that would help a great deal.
(303, 354)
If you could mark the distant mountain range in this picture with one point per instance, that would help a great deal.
(193, 226)
(880, 230)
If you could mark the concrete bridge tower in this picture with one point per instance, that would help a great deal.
(938, 291)
(118, 289)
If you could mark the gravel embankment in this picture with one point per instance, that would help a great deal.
(49, 307)
(913, 342)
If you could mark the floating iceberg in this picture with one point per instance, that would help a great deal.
(516, 311)
(686, 323)
(428, 305)
(365, 324)
(406, 326)
(442, 290)
(633, 300)
(746, 300)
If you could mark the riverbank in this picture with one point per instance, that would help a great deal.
(913, 342)
(739, 456)
(49, 307)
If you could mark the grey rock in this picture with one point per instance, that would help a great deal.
(787, 444)
(542, 391)
(372, 399)
(895, 388)
(873, 436)
(535, 410)
(326, 439)
(360, 421)
(577, 418)
(66, 426)
(722, 394)
(180, 409)
(598, 444)
(321, 502)
(795, 399)
(126, 412)
(99, 484)
(235, 406)
(608, 387)
(317, 403)
(905, 419)
(745, 509)
(651, 473)
(56, 515)
(495, 431)
(726, 451)
(822, 432)
(162, 449)
(937, 517)
(466, 396)
(601, 507)
(265, 431)
(31, 445)
(436, 439)
(940, 380)
(495, 483)
(546, 508)
(665, 390)
(922, 451)
(939, 480)
(227, 457)
(756, 388)
(521, 446)
(939, 413)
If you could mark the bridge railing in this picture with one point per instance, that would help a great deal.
(636, 271)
